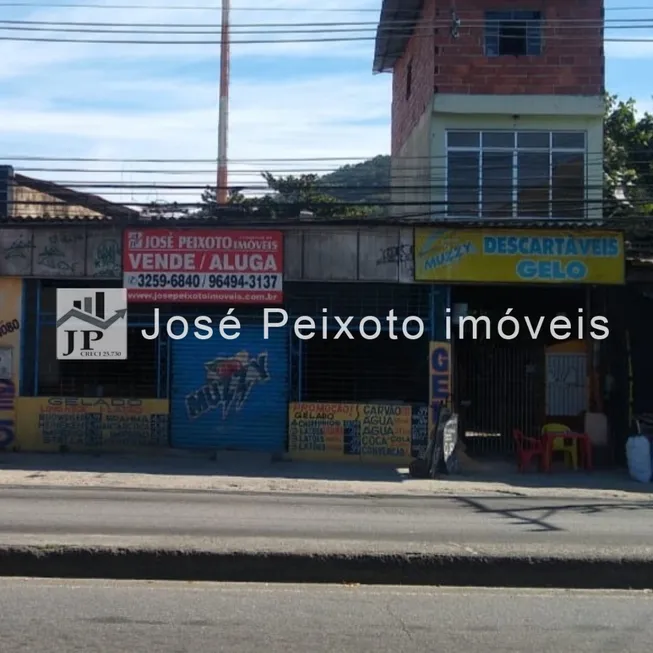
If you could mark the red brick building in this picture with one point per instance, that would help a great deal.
(497, 132)
(496, 66)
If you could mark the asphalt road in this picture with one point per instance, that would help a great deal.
(325, 524)
(111, 617)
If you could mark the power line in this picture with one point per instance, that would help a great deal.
(419, 31)
(367, 25)
(217, 8)
(526, 183)
(267, 160)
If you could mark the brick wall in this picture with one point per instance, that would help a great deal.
(572, 60)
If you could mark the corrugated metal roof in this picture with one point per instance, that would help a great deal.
(106, 210)
(237, 217)
(396, 25)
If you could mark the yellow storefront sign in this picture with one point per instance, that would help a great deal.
(519, 256)
(321, 430)
(11, 295)
(385, 432)
(359, 432)
(81, 424)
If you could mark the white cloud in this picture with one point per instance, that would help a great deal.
(318, 118)
(30, 57)
(630, 50)
(125, 102)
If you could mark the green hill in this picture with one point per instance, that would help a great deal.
(363, 182)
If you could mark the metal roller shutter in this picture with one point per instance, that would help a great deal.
(231, 394)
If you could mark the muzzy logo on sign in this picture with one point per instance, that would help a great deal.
(442, 249)
(229, 382)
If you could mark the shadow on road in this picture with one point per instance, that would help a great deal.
(536, 518)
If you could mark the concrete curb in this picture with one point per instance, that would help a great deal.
(461, 571)
(563, 494)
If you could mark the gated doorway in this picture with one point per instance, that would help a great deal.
(498, 386)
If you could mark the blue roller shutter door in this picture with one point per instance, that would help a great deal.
(231, 394)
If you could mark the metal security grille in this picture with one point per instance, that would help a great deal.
(498, 386)
(142, 375)
(501, 385)
(566, 383)
(358, 299)
(359, 370)
(362, 371)
(135, 377)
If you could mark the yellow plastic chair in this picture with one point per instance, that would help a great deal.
(570, 450)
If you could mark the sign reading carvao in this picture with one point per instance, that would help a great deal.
(203, 265)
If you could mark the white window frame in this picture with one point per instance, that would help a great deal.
(515, 167)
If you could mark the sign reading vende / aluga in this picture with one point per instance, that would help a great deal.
(203, 265)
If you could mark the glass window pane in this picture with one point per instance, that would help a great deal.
(497, 185)
(533, 40)
(463, 139)
(491, 43)
(568, 185)
(499, 139)
(526, 15)
(569, 140)
(512, 38)
(462, 183)
(528, 140)
(533, 184)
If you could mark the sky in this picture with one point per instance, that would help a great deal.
(310, 101)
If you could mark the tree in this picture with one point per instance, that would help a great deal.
(367, 182)
(628, 160)
(286, 197)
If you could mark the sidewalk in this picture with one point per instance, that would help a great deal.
(256, 473)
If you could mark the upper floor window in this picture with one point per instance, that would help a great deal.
(529, 174)
(515, 33)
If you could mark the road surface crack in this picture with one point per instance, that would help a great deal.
(402, 624)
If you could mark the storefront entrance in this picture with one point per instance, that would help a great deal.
(501, 385)
(231, 395)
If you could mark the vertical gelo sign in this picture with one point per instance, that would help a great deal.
(203, 265)
(439, 379)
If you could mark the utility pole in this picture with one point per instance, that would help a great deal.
(223, 118)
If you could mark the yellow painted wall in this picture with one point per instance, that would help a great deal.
(369, 433)
(11, 302)
(86, 424)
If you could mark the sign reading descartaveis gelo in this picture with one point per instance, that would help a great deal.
(519, 256)
(203, 265)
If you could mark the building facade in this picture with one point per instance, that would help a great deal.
(491, 85)
(318, 398)
(497, 132)
(497, 158)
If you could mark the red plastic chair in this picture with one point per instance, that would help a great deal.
(527, 449)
